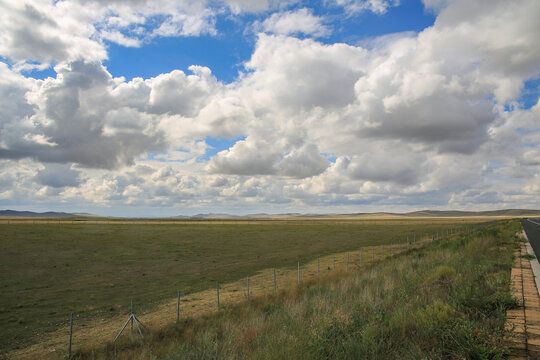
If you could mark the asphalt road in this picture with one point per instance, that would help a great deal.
(532, 229)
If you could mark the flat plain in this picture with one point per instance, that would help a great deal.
(48, 270)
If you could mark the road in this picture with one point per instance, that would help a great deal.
(532, 229)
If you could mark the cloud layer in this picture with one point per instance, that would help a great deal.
(426, 119)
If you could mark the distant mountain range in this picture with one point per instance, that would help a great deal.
(48, 214)
(249, 216)
(422, 213)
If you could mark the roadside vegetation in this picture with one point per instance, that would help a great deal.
(447, 300)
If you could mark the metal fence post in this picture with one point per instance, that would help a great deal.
(178, 308)
(347, 262)
(299, 273)
(275, 283)
(70, 334)
(333, 263)
(248, 288)
(217, 287)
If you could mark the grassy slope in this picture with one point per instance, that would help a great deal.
(446, 301)
(48, 270)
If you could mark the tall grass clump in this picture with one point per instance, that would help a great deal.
(447, 300)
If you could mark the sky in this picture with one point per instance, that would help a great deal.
(161, 108)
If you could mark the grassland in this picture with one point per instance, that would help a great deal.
(447, 300)
(49, 270)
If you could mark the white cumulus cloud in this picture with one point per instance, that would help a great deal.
(409, 119)
(301, 21)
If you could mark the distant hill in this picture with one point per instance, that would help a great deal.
(49, 214)
(216, 216)
(456, 213)
(224, 216)
(421, 213)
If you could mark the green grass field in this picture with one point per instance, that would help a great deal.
(49, 270)
(445, 300)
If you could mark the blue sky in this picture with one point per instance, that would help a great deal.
(226, 52)
(159, 108)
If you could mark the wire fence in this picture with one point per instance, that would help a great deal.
(84, 332)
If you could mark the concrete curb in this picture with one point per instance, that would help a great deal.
(535, 265)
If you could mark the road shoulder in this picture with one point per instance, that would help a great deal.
(525, 320)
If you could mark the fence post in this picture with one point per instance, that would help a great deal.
(132, 314)
(217, 287)
(347, 261)
(299, 273)
(361, 256)
(275, 283)
(372, 254)
(333, 263)
(178, 308)
(414, 240)
(382, 251)
(318, 265)
(70, 334)
(248, 288)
